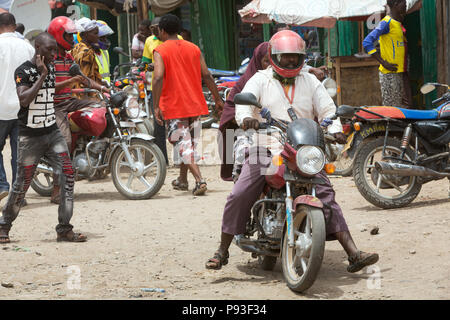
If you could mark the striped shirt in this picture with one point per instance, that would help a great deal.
(62, 66)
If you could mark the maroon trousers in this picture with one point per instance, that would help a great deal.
(249, 187)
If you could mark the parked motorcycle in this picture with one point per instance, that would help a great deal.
(137, 82)
(288, 221)
(397, 150)
(102, 142)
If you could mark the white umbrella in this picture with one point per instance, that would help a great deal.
(315, 13)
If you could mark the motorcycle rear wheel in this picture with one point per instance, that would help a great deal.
(267, 263)
(149, 156)
(42, 182)
(307, 254)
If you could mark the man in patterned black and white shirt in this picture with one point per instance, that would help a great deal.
(40, 136)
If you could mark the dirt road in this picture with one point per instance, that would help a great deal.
(164, 243)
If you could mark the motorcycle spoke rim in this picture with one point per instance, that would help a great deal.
(126, 175)
(376, 187)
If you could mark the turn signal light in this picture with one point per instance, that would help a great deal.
(277, 161)
(142, 95)
(357, 126)
(116, 111)
(330, 168)
(141, 86)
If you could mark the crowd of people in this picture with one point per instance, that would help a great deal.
(37, 88)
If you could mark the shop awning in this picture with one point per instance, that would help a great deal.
(315, 13)
(116, 7)
(158, 7)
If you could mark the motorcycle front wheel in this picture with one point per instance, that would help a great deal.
(146, 178)
(301, 263)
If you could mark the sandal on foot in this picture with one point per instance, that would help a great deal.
(200, 188)
(4, 237)
(360, 260)
(71, 236)
(217, 261)
(177, 185)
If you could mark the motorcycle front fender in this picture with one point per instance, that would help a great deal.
(307, 200)
(141, 136)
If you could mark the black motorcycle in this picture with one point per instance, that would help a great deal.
(397, 150)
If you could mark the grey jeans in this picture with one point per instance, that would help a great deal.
(31, 150)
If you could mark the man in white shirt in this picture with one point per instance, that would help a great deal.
(278, 88)
(13, 52)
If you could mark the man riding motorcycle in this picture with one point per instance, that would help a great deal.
(62, 29)
(279, 88)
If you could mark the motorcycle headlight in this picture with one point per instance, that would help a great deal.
(310, 159)
(131, 91)
(132, 107)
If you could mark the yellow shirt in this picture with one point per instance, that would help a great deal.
(150, 44)
(390, 34)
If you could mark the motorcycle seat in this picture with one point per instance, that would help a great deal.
(221, 73)
(400, 113)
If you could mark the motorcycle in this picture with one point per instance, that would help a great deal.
(102, 142)
(397, 150)
(137, 82)
(288, 221)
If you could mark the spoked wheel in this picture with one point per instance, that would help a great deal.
(42, 181)
(143, 179)
(344, 165)
(301, 263)
(384, 191)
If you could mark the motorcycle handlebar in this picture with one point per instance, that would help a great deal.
(84, 90)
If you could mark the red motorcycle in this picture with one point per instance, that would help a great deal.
(102, 142)
(288, 221)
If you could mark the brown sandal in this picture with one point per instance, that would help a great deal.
(217, 261)
(200, 188)
(360, 260)
(177, 185)
(71, 236)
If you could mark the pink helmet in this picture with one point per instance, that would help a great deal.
(286, 41)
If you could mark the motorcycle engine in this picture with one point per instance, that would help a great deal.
(272, 223)
(81, 164)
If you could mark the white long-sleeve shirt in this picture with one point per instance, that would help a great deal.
(13, 52)
(311, 99)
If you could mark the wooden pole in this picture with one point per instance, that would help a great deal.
(93, 13)
(338, 80)
(142, 9)
(441, 48)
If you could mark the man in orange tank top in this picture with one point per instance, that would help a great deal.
(178, 98)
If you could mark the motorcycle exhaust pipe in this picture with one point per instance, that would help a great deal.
(44, 169)
(248, 245)
(401, 169)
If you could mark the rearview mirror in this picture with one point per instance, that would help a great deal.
(427, 88)
(345, 111)
(246, 98)
(119, 50)
(75, 70)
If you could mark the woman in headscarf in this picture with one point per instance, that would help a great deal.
(259, 61)
(84, 52)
